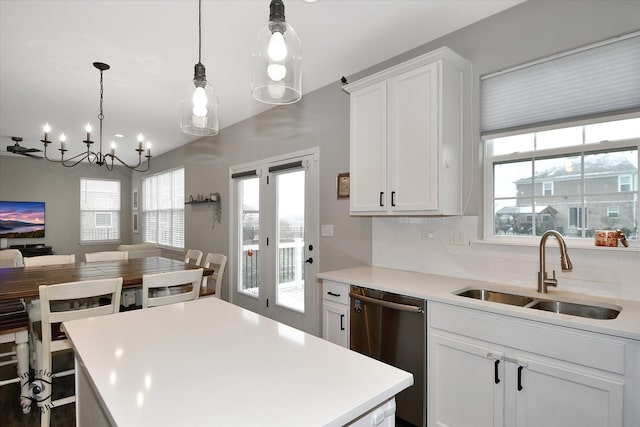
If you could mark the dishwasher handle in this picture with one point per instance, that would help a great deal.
(388, 304)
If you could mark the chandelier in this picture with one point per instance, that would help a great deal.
(97, 157)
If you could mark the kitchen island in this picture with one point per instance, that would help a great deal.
(208, 362)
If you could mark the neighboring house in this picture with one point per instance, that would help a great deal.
(609, 203)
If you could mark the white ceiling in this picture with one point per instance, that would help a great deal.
(47, 49)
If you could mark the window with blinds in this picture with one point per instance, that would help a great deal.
(163, 209)
(562, 143)
(99, 210)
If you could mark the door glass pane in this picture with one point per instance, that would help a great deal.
(249, 235)
(291, 200)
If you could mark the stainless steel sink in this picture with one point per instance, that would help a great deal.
(495, 296)
(589, 311)
(574, 309)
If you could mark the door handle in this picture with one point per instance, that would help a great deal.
(381, 196)
(341, 319)
(393, 198)
(310, 260)
(496, 377)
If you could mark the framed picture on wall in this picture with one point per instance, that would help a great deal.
(343, 185)
(134, 200)
(135, 222)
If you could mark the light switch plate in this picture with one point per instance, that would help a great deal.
(326, 230)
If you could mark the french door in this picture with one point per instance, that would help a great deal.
(274, 238)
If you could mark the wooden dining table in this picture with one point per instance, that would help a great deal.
(23, 282)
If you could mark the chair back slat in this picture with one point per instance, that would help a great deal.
(163, 283)
(217, 262)
(106, 256)
(49, 260)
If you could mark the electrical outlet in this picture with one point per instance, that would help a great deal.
(456, 237)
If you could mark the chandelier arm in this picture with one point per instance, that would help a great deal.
(136, 167)
(66, 162)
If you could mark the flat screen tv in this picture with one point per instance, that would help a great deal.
(21, 220)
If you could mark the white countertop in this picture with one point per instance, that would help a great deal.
(441, 288)
(208, 362)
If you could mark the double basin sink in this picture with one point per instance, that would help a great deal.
(581, 309)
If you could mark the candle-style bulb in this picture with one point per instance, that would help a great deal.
(113, 147)
(46, 129)
(88, 129)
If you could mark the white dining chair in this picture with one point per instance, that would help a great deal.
(36, 261)
(106, 256)
(34, 306)
(14, 330)
(193, 256)
(217, 262)
(171, 287)
(107, 290)
(11, 258)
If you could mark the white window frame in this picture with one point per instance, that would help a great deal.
(613, 211)
(106, 215)
(96, 212)
(176, 210)
(585, 149)
(628, 183)
(544, 188)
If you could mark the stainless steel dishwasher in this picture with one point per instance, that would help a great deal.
(392, 328)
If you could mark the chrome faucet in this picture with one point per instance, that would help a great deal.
(565, 262)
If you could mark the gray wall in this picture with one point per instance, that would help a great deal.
(25, 179)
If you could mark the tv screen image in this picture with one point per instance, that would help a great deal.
(21, 220)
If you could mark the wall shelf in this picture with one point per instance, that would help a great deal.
(198, 202)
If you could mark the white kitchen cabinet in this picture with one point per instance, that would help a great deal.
(335, 313)
(492, 370)
(406, 137)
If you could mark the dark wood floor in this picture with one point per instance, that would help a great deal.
(10, 411)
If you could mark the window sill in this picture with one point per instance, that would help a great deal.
(587, 244)
(100, 242)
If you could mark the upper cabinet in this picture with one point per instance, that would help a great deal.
(407, 127)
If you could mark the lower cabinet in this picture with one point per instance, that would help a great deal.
(492, 370)
(335, 313)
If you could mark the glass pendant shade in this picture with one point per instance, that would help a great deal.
(276, 69)
(200, 107)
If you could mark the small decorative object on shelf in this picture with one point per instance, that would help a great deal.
(212, 199)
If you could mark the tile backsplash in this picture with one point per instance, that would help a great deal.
(426, 245)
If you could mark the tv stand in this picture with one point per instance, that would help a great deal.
(33, 249)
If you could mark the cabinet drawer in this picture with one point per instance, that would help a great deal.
(562, 343)
(336, 292)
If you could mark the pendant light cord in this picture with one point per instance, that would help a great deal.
(199, 30)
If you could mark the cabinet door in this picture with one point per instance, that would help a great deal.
(556, 396)
(466, 385)
(413, 143)
(368, 155)
(335, 323)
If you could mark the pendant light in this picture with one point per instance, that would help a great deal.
(276, 74)
(200, 104)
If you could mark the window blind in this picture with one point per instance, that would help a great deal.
(99, 210)
(593, 81)
(163, 209)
